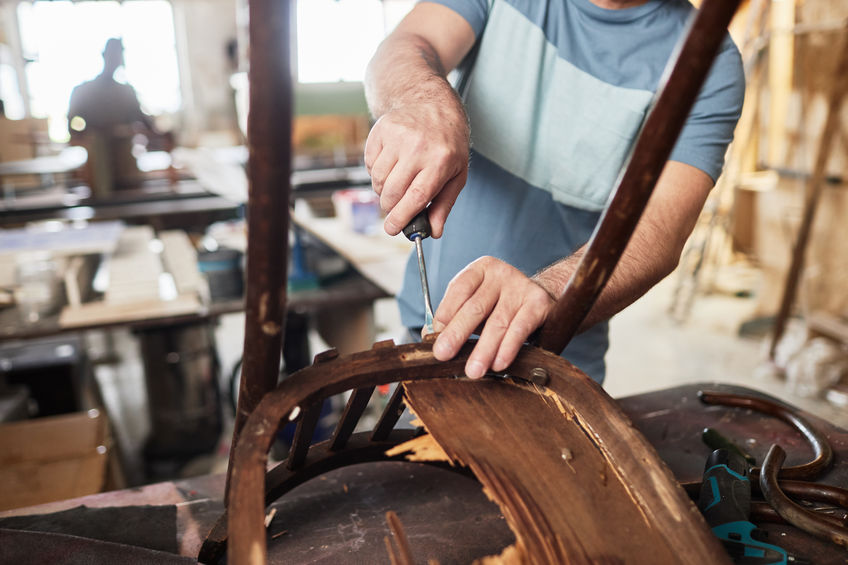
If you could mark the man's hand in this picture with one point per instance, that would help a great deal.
(511, 304)
(417, 151)
(418, 154)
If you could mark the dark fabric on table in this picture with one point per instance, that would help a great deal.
(19, 547)
(152, 527)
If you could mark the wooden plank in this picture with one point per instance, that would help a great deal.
(378, 257)
(780, 73)
(565, 498)
(100, 237)
(96, 313)
(180, 259)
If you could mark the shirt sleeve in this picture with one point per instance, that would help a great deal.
(475, 12)
(709, 128)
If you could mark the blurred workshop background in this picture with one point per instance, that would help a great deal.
(122, 233)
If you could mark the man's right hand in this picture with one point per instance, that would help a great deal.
(417, 151)
(416, 155)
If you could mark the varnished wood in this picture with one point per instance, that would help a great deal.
(626, 453)
(303, 436)
(269, 173)
(354, 408)
(542, 457)
(391, 414)
(320, 459)
(635, 186)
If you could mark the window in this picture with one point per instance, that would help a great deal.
(10, 94)
(336, 38)
(63, 42)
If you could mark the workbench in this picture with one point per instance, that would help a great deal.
(158, 203)
(340, 517)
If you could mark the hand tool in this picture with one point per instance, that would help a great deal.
(714, 439)
(725, 502)
(416, 231)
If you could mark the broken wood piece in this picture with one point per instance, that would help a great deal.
(612, 460)
(422, 448)
(547, 465)
(270, 517)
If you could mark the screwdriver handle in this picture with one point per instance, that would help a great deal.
(418, 227)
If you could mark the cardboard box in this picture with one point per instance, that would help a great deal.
(19, 139)
(52, 458)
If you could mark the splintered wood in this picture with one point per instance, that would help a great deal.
(565, 498)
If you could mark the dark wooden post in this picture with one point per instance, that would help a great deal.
(269, 174)
(672, 104)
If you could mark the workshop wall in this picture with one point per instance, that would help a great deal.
(789, 146)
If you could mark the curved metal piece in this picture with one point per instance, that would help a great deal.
(763, 512)
(790, 511)
(672, 104)
(800, 490)
(816, 492)
(322, 458)
(626, 452)
(819, 443)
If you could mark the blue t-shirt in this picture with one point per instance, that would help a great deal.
(556, 95)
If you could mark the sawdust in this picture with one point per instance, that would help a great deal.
(511, 555)
(422, 448)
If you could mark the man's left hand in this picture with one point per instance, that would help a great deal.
(504, 301)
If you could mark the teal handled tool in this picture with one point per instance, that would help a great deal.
(725, 502)
(416, 231)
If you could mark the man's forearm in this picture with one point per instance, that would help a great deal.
(639, 269)
(407, 70)
(654, 250)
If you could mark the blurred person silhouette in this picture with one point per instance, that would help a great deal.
(104, 116)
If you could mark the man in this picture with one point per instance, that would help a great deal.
(555, 92)
(103, 116)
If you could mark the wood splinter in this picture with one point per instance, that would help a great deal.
(402, 554)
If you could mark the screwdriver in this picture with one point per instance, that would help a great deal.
(416, 231)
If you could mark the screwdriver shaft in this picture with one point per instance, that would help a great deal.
(425, 288)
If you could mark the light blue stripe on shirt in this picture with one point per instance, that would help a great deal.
(556, 127)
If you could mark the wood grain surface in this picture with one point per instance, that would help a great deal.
(563, 497)
(616, 478)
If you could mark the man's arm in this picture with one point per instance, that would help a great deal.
(417, 151)
(510, 305)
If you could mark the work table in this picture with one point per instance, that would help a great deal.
(340, 516)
